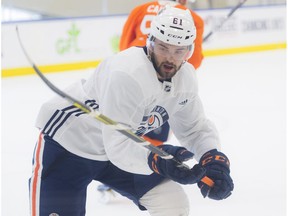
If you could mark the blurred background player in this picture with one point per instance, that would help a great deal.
(135, 33)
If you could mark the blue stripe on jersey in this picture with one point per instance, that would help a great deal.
(60, 117)
(50, 120)
(69, 108)
(55, 122)
(63, 121)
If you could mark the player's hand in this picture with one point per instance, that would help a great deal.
(172, 170)
(217, 167)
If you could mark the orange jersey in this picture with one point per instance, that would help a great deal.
(137, 27)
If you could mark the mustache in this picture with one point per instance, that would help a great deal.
(169, 64)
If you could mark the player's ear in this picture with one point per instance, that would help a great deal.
(150, 44)
(148, 41)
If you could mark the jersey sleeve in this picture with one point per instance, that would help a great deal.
(193, 130)
(197, 57)
(190, 125)
(130, 31)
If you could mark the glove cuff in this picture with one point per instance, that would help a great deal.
(214, 157)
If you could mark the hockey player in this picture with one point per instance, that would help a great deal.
(141, 88)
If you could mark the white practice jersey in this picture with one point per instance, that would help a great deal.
(125, 88)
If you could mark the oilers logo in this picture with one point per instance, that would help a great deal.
(157, 117)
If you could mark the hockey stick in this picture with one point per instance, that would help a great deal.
(104, 119)
(241, 2)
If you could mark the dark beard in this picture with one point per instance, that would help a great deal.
(158, 68)
(152, 57)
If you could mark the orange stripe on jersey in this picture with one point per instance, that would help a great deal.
(153, 141)
(35, 177)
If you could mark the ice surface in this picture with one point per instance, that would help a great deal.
(245, 96)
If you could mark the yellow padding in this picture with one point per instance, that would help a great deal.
(93, 64)
(49, 68)
(237, 50)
